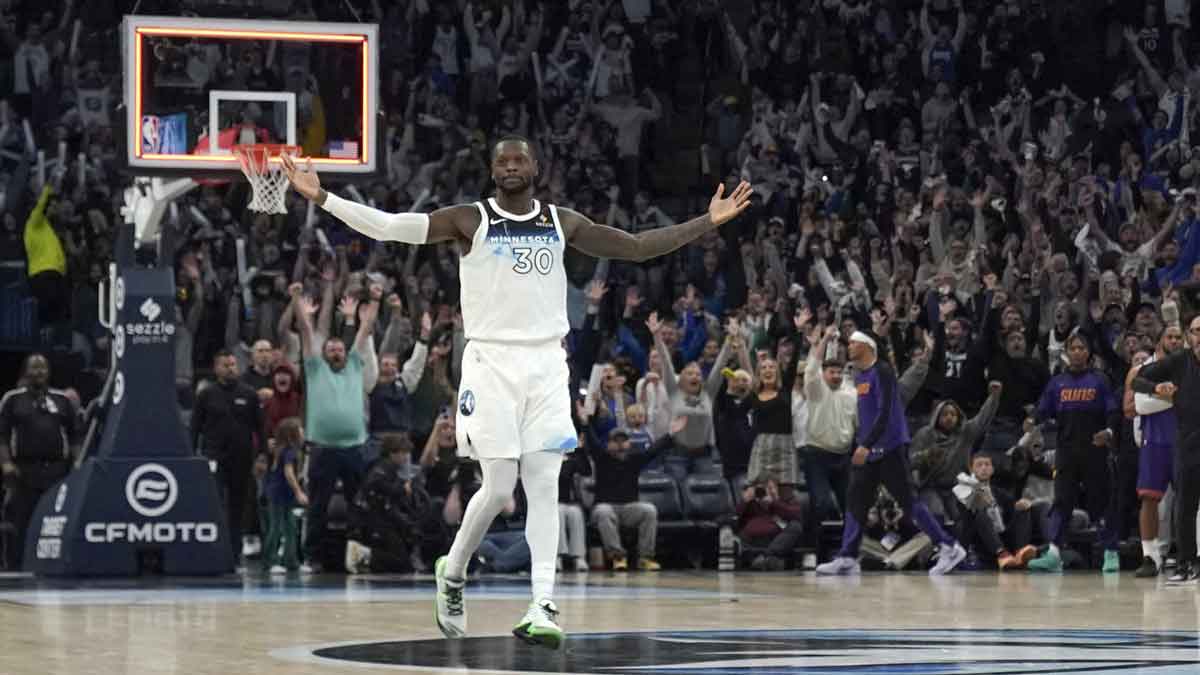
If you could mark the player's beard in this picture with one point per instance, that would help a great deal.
(513, 185)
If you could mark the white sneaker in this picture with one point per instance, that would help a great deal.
(840, 566)
(357, 557)
(539, 626)
(449, 610)
(251, 545)
(948, 558)
(305, 568)
(581, 565)
(277, 570)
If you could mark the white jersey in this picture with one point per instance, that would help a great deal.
(513, 282)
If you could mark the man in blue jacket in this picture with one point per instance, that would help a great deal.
(882, 457)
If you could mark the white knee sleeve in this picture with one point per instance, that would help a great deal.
(539, 478)
(499, 481)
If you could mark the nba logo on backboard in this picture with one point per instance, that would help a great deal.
(151, 134)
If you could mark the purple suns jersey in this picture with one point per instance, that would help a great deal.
(1083, 404)
(1159, 429)
(881, 423)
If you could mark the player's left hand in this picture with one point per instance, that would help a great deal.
(723, 209)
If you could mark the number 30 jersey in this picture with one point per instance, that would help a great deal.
(513, 282)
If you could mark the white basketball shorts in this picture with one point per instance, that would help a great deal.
(514, 399)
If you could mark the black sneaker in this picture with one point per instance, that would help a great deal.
(1185, 575)
(1148, 569)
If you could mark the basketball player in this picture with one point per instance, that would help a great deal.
(1176, 378)
(1158, 427)
(514, 408)
(882, 457)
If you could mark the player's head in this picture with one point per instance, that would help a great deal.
(1078, 352)
(1170, 339)
(334, 352)
(514, 164)
(861, 347)
(36, 372)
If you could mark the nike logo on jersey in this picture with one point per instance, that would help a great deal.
(495, 221)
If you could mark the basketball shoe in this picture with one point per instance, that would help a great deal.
(539, 626)
(449, 611)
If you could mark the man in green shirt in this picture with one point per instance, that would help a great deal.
(335, 415)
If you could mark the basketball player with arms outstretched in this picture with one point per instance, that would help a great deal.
(514, 407)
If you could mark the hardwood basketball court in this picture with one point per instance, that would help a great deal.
(669, 622)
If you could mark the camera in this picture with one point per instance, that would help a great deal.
(760, 492)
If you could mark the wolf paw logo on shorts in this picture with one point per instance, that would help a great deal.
(466, 403)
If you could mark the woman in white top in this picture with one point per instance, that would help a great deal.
(652, 394)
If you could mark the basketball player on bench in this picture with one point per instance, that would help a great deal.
(514, 407)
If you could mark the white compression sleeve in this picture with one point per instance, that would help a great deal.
(408, 228)
(539, 477)
(1148, 405)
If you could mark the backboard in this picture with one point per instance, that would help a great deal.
(190, 80)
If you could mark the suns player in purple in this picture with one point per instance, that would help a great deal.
(882, 457)
(1157, 427)
(1083, 403)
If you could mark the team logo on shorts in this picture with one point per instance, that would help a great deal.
(466, 403)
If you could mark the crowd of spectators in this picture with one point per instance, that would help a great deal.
(970, 181)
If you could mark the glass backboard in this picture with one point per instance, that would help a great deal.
(191, 80)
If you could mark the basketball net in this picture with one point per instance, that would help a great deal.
(268, 182)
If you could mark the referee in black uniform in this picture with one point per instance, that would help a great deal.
(40, 432)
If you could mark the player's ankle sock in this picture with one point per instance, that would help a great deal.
(1053, 549)
(1151, 551)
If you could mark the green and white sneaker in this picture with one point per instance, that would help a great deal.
(1047, 562)
(539, 626)
(1112, 562)
(449, 611)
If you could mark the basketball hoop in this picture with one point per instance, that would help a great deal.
(268, 182)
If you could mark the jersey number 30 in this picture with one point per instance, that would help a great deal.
(529, 259)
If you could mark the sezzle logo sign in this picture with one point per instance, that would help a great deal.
(151, 491)
(150, 331)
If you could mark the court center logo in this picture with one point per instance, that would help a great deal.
(466, 403)
(828, 652)
(151, 490)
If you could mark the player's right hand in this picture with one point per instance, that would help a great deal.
(1165, 390)
(305, 180)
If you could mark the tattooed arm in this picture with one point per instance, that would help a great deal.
(603, 241)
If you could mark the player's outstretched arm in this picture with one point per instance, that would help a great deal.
(454, 223)
(603, 241)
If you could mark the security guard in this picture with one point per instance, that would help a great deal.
(40, 433)
(227, 426)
